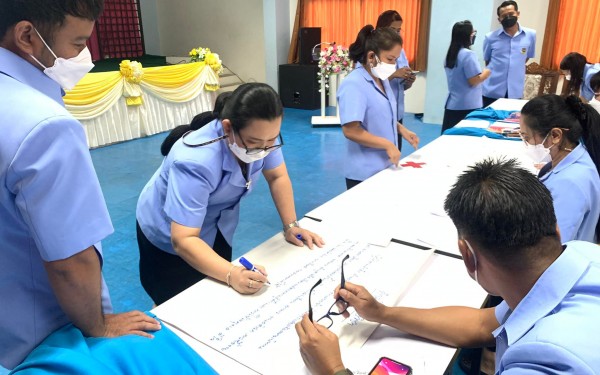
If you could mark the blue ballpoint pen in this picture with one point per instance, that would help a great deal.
(250, 267)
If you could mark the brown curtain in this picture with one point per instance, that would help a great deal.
(571, 26)
(550, 34)
(293, 52)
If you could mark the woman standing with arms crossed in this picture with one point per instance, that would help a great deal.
(188, 211)
(368, 111)
(464, 75)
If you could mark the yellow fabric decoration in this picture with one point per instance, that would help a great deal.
(133, 73)
(96, 93)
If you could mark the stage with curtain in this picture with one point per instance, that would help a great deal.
(136, 101)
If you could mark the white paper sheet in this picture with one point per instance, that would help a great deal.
(258, 330)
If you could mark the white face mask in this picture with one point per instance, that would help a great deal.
(67, 72)
(383, 70)
(538, 153)
(568, 77)
(241, 154)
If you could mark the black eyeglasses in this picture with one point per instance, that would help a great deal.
(257, 150)
(326, 319)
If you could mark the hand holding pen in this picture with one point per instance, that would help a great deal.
(257, 280)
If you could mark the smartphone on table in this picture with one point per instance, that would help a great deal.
(387, 366)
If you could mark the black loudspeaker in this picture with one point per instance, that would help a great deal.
(308, 38)
(299, 86)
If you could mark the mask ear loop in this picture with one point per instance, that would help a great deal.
(47, 46)
(43, 41)
(562, 139)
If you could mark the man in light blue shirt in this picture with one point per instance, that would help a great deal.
(505, 52)
(510, 245)
(52, 212)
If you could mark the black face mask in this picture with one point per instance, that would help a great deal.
(473, 39)
(509, 21)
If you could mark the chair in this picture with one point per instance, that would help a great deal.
(539, 81)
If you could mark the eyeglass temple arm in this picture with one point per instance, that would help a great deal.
(343, 283)
(310, 312)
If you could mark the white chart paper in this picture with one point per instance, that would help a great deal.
(258, 331)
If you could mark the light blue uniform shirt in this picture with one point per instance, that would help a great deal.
(397, 85)
(507, 56)
(198, 187)
(51, 205)
(554, 329)
(461, 95)
(588, 72)
(575, 188)
(361, 100)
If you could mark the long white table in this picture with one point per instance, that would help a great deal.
(372, 212)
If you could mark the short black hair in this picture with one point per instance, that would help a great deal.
(503, 208)
(506, 4)
(46, 16)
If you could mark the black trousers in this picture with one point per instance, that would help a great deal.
(453, 117)
(351, 183)
(164, 275)
(487, 100)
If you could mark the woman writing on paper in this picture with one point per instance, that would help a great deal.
(188, 211)
(464, 75)
(368, 111)
(564, 136)
(403, 78)
(578, 72)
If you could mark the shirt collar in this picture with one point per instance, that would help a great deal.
(21, 70)
(361, 69)
(547, 293)
(501, 31)
(571, 158)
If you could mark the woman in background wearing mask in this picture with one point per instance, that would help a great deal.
(403, 78)
(188, 211)
(464, 75)
(368, 111)
(578, 72)
(564, 133)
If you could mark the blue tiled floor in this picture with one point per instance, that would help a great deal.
(314, 157)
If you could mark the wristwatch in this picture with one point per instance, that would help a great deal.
(291, 225)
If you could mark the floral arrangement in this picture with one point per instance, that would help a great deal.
(132, 71)
(209, 58)
(333, 60)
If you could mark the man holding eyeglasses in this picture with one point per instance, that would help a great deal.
(510, 244)
(189, 210)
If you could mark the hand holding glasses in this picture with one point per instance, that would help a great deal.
(326, 320)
